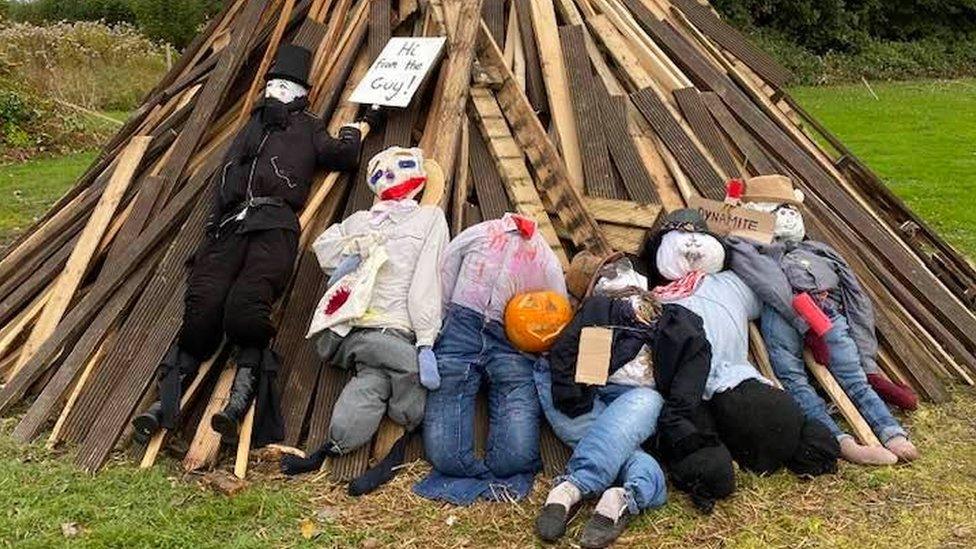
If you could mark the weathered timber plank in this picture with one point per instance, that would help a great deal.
(489, 188)
(597, 173)
(702, 124)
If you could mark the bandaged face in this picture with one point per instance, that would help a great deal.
(397, 173)
(683, 252)
(285, 91)
(789, 221)
(619, 276)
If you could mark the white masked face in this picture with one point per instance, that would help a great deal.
(681, 253)
(285, 91)
(789, 221)
(619, 276)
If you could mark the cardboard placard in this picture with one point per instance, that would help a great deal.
(399, 70)
(593, 357)
(724, 220)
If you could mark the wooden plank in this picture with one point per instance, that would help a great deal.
(244, 443)
(257, 82)
(443, 127)
(691, 159)
(553, 65)
(493, 13)
(511, 167)
(83, 253)
(622, 212)
(754, 156)
(598, 174)
(462, 179)
(489, 188)
(551, 175)
(55, 435)
(635, 177)
(533, 86)
(206, 442)
(703, 126)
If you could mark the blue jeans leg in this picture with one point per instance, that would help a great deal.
(644, 481)
(570, 430)
(513, 413)
(845, 364)
(785, 348)
(449, 420)
(612, 439)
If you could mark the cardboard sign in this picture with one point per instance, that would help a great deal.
(725, 220)
(398, 71)
(593, 358)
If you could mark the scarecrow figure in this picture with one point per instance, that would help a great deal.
(762, 427)
(505, 299)
(813, 299)
(243, 264)
(659, 361)
(382, 311)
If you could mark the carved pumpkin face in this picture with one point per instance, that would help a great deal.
(533, 320)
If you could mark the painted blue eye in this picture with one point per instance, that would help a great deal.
(407, 163)
(375, 177)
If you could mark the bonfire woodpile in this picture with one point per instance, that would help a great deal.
(591, 116)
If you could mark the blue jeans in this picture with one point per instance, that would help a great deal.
(786, 354)
(607, 440)
(472, 349)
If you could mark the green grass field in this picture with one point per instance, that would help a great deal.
(920, 137)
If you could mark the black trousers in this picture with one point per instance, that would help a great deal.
(234, 281)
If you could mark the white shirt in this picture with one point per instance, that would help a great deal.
(407, 293)
(490, 263)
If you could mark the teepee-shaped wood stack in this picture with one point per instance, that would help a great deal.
(592, 116)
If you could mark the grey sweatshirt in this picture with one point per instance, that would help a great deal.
(778, 271)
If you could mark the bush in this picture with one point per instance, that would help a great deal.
(93, 65)
(39, 11)
(173, 21)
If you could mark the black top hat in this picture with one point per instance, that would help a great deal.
(686, 220)
(292, 63)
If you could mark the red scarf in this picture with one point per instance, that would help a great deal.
(679, 289)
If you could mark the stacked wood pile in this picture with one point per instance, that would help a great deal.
(592, 116)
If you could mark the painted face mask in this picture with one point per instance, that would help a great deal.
(684, 252)
(285, 91)
(619, 276)
(789, 221)
(397, 173)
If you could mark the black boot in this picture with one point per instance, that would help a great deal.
(294, 465)
(242, 392)
(176, 374)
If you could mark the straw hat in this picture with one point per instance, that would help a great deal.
(777, 189)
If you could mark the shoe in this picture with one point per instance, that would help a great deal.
(600, 531)
(553, 520)
(226, 422)
(146, 424)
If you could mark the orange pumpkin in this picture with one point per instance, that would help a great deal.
(533, 320)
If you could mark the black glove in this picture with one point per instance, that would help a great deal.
(373, 115)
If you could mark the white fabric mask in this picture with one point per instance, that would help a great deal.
(625, 277)
(285, 91)
(681, 253)
(789, 221)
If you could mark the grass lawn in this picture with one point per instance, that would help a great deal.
(920, 137)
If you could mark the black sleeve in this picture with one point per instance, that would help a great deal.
(571, 398)
(682, 362)
(337, 154)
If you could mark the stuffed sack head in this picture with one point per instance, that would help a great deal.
(397, 173)
(682, 245)
(775, 194)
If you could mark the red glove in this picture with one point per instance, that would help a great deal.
(818, 347)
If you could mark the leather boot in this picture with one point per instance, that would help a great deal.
(177, 371)
(242, 392)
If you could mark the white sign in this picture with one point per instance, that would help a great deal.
(398, 71)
